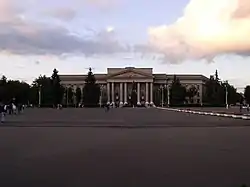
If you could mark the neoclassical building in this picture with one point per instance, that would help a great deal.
(117, 84)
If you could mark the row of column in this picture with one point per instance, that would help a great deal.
(125, 96)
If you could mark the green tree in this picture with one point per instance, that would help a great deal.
(247, 94)
(10, 89)
(57, 89)
(3, 80)
(177, 92)
(78, 95)
(18, 90)
(217, 76)
(240, 98)
(214, 92)
(42, 83)
(34, 96)
(3, 90)
(104, 96)
(232, 95)
(91, 91)
(191, 93)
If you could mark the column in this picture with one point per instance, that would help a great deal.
(151, 93)
(74, 94)
(125, 93)
(108, 92)
(121, 93)
(138, 93)
(146, 92)
(113, 92)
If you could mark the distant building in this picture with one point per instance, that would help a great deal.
(117, 83)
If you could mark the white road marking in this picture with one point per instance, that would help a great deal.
(244, 117)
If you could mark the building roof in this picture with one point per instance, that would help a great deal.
(148, 72)
(187, 77)
(155, 76)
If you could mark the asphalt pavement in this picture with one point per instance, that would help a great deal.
(123, 147)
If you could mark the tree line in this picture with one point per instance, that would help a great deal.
(214, 93)
(48, 91)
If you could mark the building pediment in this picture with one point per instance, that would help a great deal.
(130, 74)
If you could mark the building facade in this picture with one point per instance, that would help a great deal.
(117, 84)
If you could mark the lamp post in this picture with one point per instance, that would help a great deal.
(39, 96)
(67, 96)
(226, 95)
(74, 98)
(168, 98)
(101, 89)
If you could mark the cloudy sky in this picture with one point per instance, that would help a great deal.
(181, 36)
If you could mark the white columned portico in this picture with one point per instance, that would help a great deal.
(138, 94)
(121, 93)
(108, 92)
(125, 93)
(113, 92)
(146, 93)
(151, 93)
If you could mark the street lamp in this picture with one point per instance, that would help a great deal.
(74, 98)
(101, 89)
(39, 97)
(168, 98)
(226, 95)
(67, 96)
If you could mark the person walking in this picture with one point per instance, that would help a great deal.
(107, 107)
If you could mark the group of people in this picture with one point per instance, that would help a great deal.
(247, 107)
(11, 108)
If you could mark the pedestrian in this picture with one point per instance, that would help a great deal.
(14, 108)
(107, 107)
(5, 109)
(241, 108)
(247, 107)
(10, 111)
(19, 108)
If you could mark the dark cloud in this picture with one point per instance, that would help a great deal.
(18, 35)
(35, 39)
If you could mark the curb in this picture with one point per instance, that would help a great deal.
(243, 117)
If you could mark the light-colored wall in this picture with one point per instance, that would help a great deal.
(160, 79)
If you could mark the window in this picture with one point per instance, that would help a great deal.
(198, 101)
(198, 94)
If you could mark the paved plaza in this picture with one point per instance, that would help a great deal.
(123, 147)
